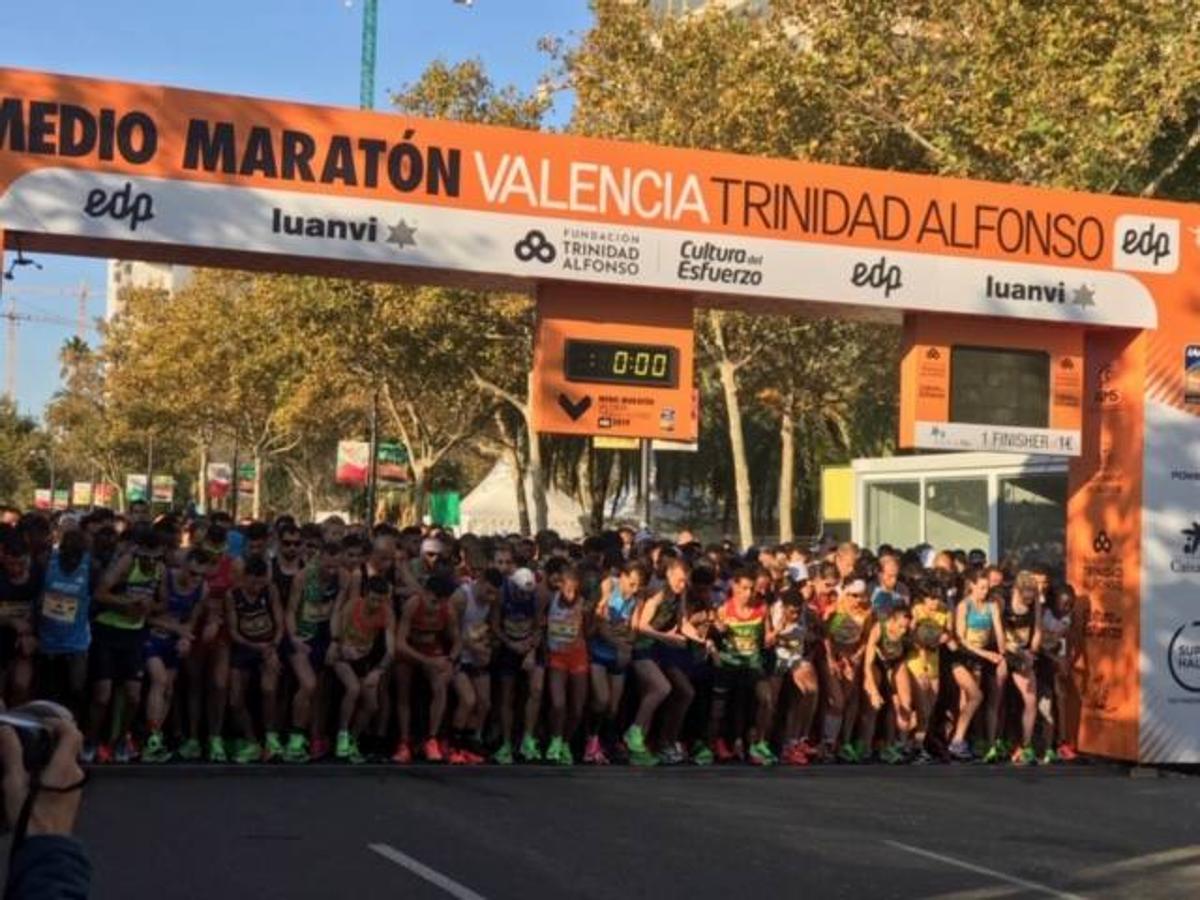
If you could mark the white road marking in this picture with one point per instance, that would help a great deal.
(980, 870)
(1148, 861)
(418, 868)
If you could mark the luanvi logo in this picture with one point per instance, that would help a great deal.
(1146, 244)
(535, 246)
(121, 205)
(365, 231)
(879, 275)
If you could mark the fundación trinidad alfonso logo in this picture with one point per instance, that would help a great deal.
(533, 246)
(1102, 543)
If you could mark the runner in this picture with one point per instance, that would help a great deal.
(930, 633)
(740, 634)
(364, 627)
(518, 622)
(846, 629)
(1054, 673)
(126, 596)
(884, 669)
(474, 601)
(611, 650)
(20, 586)
(661, 660)
(179, 605)
(210, 666)
(566, 660)
(699, 612)
(315, 594)
(1022, 618)
(64, 630)
(797, 634)
(255, 619)
(428, 639)
(978, 664)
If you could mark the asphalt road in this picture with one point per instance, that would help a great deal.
(536, 834)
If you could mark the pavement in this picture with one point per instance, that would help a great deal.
(421, 832)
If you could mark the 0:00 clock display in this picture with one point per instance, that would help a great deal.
(649, 365)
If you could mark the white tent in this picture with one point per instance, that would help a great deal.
(491, 508)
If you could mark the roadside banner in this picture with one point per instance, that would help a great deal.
(81, 493)
(41, 498)
(136, 488)
(220, 480)
(163, 488)
(352, 463)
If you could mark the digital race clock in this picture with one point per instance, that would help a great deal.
(648, 365)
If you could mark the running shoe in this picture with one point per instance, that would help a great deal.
(553, 749)
(432, 751)
(296, 750)
(850, 752)
(1050, 758)
(190, 750)
(643, 758)
(320, 749)
(960, 752)
(87, 755)
(593, 753)
(104, 755)
(403, 755)
(272, 748)
(347, 749)
(892, 754)
(125, 751)
(1024, 756)
(216, 751)
(503, 756)
(471, 758)
(156, 749)
(635, 740)
(722, 751)
(761, 755)
(247, 752)
(702, 754)
(672, 755)
(1067, 753)
(560, 752)
(809, 749)
(529, 751)
(995, 754)
(922, 758)
(456, 758)
(794, 755)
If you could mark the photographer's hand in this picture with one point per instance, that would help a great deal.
(57, 802)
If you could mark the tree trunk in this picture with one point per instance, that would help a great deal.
(420, 491)
(541, 512)
(787, 471)
(599, 477)
(202, 484)
(737, 440)
(512, 445)
(256, 505)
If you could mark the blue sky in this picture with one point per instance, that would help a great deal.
(292, 49)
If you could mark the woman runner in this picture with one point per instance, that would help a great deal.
(611, 650)
(567, 665)
(1023, 639)
(978, 665)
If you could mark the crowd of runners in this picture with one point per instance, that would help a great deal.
(195, 638)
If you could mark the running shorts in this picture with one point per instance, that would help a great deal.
(731, 679)
(507, 664)
(164, 646)
(572, 660)
(245, 658)
(116, 653)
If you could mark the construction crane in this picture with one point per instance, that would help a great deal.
(14, 319)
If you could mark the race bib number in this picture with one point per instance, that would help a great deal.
(60, 607)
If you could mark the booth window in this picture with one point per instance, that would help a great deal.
(956, 513)
(893, 513)
(1031, 519)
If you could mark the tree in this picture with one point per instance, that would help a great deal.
(20, 451)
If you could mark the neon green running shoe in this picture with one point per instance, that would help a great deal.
(216, 751)
(554, 749)
(529, 751)
(761, 755)
(190, 750)
(702, 754)
(247, 752)
(849, 753)
(561, 753)
(344, 743)
(994, 754)
(296, 750)
(892, 754)
(635, 740)
(156, 750)
(1050, 757)
(272, 749)
(503, 756)
(643, 758)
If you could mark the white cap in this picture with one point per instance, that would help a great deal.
(928, 557)
(523, 580)
(797, 571)
(857, 586)
(431, 545)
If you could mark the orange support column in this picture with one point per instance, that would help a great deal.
(1104, 528)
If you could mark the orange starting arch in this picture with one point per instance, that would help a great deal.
(619, 239)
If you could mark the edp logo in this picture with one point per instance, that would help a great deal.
(120, 205)
(878, 275)
(1146, 244)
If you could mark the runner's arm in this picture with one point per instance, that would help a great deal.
(115, 572)
(403, 649)
(293, 604)
(1035, 644)
(389, 640)
(276, 616)
(456, 642)
(872, 647)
